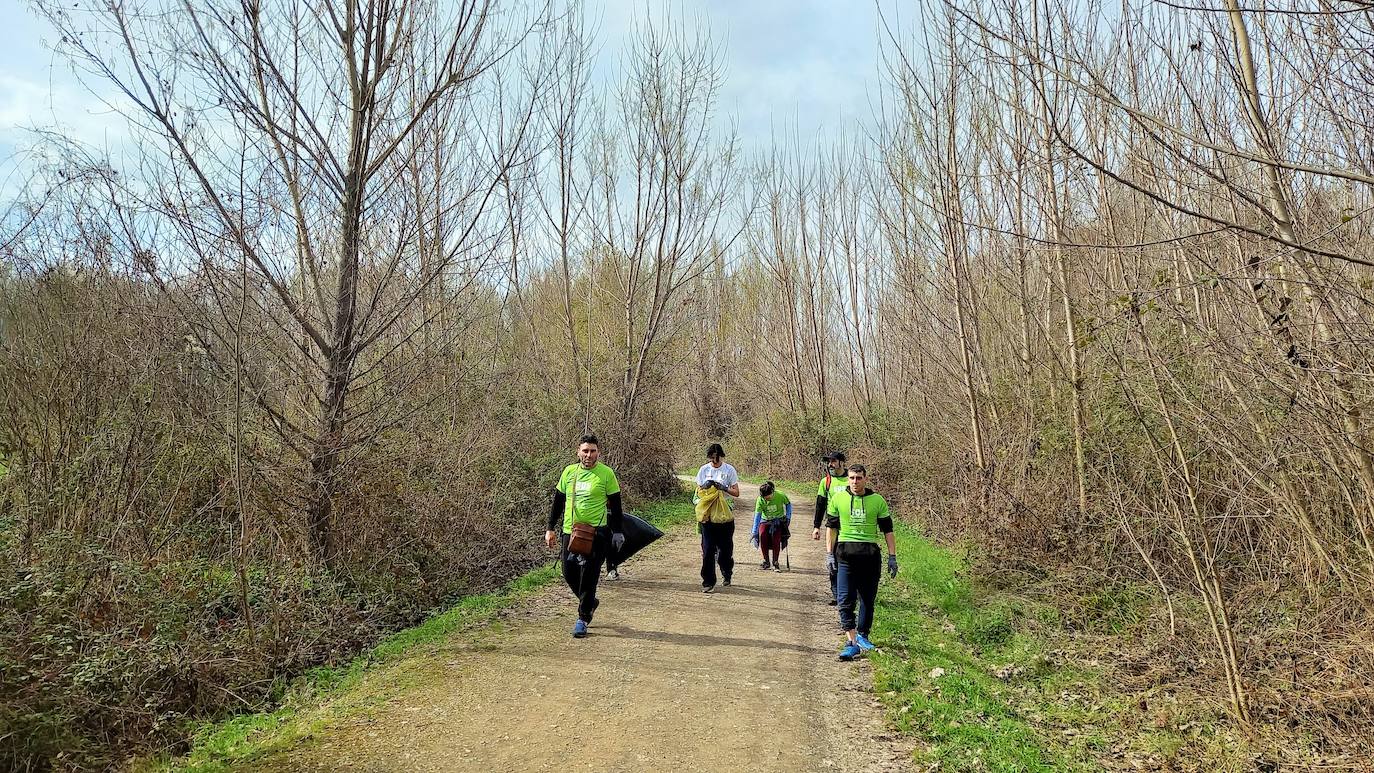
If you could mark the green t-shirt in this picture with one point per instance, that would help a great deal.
(772, 509)
(831, 482)
(587, 491)
(858, 515)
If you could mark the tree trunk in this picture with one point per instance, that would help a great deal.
(331, 439)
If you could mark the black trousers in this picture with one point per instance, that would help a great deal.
(717, 546)
(581, 574)
(859, 567)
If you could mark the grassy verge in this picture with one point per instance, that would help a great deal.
(979, 677)
(938, 668)
(325, 695)
(667, 513)
(793, 486)
(786, 484)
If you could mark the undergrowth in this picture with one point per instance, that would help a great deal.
(980, 678)
(325, 694)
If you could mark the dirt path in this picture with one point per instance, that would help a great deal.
(669, 679)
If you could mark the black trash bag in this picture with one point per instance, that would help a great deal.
(776, 526)
(639, 533)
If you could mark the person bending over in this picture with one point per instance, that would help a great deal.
(772, 517)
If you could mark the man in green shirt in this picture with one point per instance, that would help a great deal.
(834, 479)
(587, 492)
(772, 516)
(858, 522)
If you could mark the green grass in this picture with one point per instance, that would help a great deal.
(970, 718)
(670, 512)
(1047, 709)
(1114, 608)
(325, 695)
(790, 486)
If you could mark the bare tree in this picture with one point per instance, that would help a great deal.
(663, 189)
(345, 156)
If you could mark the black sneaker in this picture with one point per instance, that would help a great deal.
(708, 589)
(727, 582)
(765, 564)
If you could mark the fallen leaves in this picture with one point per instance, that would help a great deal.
(1007, 672)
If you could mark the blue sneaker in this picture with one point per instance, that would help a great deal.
(579, 629)
(864, 643)
(850, 651)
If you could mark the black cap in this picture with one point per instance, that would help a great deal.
(834, 455)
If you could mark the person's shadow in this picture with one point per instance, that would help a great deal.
(702, 639)
(733, 590)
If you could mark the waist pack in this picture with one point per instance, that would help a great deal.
(862, 551)
(582, 539)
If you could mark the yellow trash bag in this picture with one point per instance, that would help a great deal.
(713, 506)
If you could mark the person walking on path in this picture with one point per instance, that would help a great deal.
(772, 517)
(717, 482)
(834, 479)
(587, 493)
(858, 522)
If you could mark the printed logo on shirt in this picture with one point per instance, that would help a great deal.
(582, 488)
(857, 514)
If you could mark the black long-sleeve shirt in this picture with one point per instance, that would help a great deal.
(822, 500)
(615, 516)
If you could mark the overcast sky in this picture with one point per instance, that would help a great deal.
(808, 65)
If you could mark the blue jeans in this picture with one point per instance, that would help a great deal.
(859, 568)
